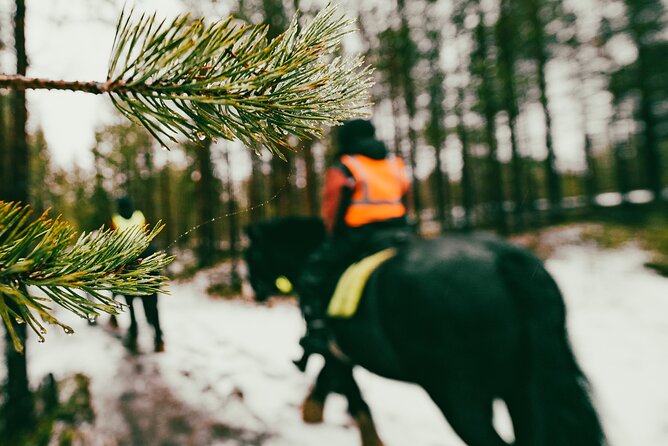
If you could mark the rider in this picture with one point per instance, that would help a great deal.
(127, 217)
(364, 196)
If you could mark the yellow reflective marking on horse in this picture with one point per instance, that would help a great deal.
(283, 284)
(349, 289)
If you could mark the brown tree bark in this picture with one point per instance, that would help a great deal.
(207, 205)
(18, 409)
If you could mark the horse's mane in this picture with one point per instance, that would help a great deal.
(300, 233)
(296, 226)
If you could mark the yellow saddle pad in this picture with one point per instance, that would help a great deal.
(349, 289)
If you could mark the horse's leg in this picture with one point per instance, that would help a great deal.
(131, 337)
(524, 421)
(468, 409)
(336, 376)
(314, 403)
(358, 408)
(150, 304)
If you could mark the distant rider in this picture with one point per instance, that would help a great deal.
(125, 218)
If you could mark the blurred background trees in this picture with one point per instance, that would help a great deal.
(509, 114)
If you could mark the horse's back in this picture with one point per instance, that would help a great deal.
(442, 300)
(471, 320)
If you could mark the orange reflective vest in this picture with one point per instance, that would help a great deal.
(379, 188)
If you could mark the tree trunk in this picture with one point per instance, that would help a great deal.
(208, 201)
(257, 188)
(442, 183)
(436, 129)
(312, 183)
(540, 55)
(4, 147)
(490, 108)
(622, 170)
(467, 181)
(505, 40)
(18, 409)
(652, 156)
(591, 187)
(169, 234)
(408, 58)
(590, 177)
(281, 185)
(148, 186)
(277, 20)
(233, 225)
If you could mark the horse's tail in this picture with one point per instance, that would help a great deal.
(558, 391)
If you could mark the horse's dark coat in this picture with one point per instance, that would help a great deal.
(469, 319)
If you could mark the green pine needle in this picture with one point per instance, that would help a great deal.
(42, 254)
(225, 79)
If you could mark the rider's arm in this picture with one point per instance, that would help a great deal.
(338, 184)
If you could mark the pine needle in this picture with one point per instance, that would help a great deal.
(225, 79)
(45, 255)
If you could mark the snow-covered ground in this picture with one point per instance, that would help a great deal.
(228, 363)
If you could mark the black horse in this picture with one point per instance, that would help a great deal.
(469, 319)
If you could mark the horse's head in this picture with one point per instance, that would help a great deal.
(277, 250)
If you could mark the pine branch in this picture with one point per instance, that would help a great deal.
(18, 82)
(225, 79)
(40, 255)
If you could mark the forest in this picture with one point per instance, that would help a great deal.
(501, 129)
(512, 116)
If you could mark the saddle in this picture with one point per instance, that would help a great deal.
(349, 288)
(381, 245)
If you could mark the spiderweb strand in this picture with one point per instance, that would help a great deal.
(237, 212)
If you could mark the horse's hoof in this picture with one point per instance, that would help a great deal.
(312, 411)
(159, 346)
(367, 430)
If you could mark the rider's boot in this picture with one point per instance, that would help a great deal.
(317, 336)
(316, 339)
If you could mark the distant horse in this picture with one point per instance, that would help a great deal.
(469, 319)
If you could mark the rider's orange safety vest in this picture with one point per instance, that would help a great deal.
(379, 188)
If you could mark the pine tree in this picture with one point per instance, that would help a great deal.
(435, 132)
(183, 77)
(505, 33)
(223, 79)
(227, 79)
(643, 82)
(482, 66)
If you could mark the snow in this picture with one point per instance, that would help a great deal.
(619, 329)
(609, 199)
(229, 360)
